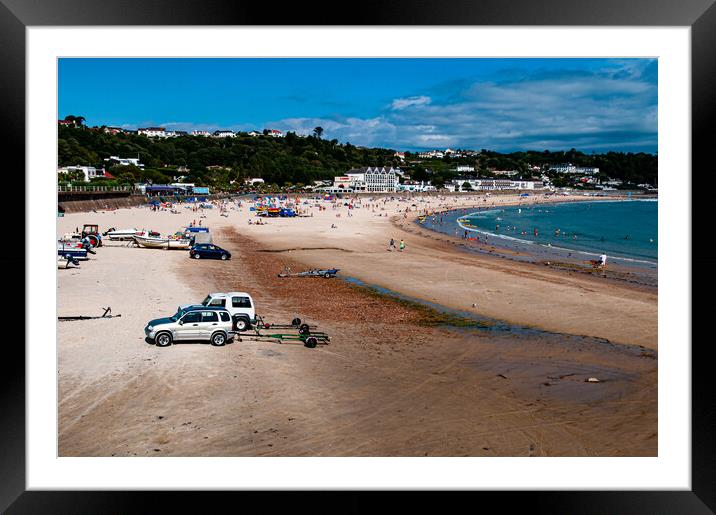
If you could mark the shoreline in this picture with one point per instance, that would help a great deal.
(637, 275)
(359, 255)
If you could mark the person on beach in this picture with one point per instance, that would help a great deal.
(603, 260)
(402, 245)
(391, 244)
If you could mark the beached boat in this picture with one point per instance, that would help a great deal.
(121, 234)
(154, 242)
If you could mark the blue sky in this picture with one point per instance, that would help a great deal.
(405, 104)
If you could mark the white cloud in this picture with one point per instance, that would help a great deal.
(402, 103)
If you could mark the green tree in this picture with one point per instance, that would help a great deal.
(317, 132)
(77, 121)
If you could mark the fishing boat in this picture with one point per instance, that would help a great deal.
(121, 234)
(157, 242)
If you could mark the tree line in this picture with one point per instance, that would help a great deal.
(224, 163)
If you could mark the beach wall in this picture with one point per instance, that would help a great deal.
(85, 206)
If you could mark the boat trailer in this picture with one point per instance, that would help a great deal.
(305, 336)
(107, 314)
(313, 272)
(260, 323)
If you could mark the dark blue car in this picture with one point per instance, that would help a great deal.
(208, 251)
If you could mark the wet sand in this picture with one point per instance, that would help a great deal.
(391, 383)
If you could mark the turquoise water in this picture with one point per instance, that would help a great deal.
(620, 229)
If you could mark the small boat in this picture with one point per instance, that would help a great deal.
(71, 251)
(120, 234)
(155, 242)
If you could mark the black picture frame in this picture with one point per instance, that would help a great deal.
(700, 15)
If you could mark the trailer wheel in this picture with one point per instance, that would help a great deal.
(311, 342)
(327, 275)
(94, 241)
(304, 329)
(296, 321)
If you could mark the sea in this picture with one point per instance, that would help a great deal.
(625, 230)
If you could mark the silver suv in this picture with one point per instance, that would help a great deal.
(191, 323)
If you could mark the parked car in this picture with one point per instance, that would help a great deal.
(193, 323)
(208, 251)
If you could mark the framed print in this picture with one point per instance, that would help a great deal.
(425, 251)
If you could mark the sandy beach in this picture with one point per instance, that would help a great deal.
(391, 383)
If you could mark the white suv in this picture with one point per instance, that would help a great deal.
(191, 323)
(239, 304)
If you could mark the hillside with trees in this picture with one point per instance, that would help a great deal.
(224, 163)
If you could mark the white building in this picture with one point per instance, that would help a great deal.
(224, 134)
(274, 133)
(464, 168)
(493, 185)
(254, 134)
(372, 179)
(124, 161)
(431, 154)
(90, 172)
(506, 173)
(570, 168)
(253, 181)
(156, 132)
(205, 134)
(346, 181)
(416, 186)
